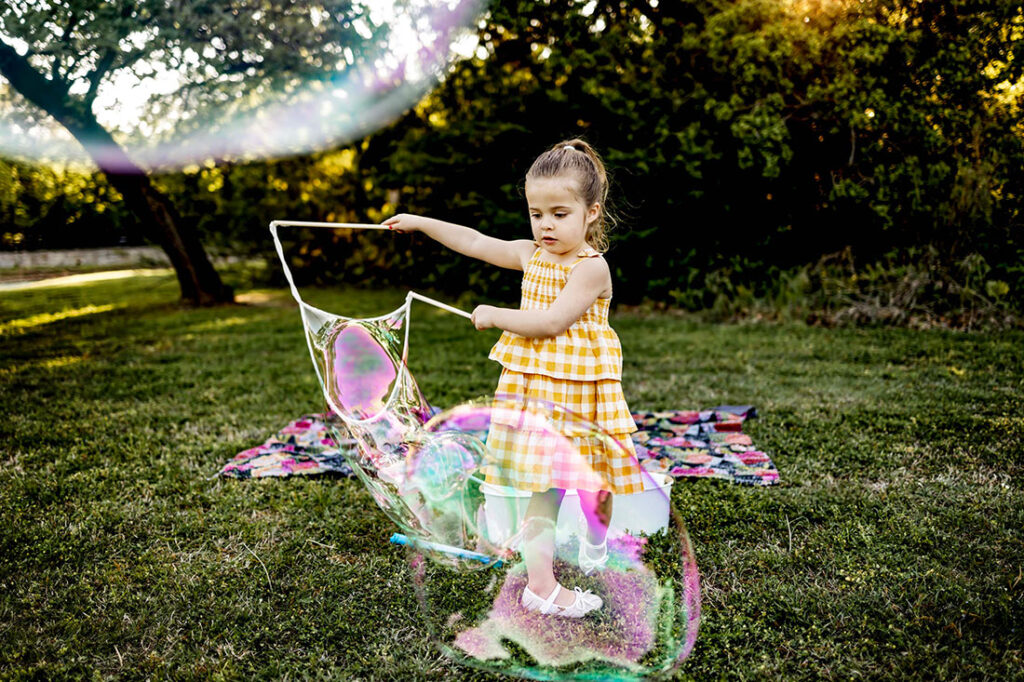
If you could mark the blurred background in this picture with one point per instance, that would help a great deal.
(835, 161)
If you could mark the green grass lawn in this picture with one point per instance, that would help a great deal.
(894, 546)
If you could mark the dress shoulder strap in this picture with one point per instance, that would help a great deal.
(584, 254)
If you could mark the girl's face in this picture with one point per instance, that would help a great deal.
(558, 218)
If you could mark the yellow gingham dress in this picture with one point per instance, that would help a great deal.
(580, 369)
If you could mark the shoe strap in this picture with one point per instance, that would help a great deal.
(545, 608)
(586, 548)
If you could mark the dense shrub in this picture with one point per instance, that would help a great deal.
(51, 207)
(747, 137)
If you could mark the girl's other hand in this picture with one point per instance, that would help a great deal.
(483, 316)
(403, 222)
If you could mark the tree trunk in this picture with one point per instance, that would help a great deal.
(200, 284)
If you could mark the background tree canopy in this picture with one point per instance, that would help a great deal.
(186, 81)
(746, 139)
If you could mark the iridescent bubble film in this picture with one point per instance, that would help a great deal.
(649, 583)
(192, 81)
(438, 476)
(362, 373)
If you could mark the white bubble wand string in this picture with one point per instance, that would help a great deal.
(396, 538)
(412, 295)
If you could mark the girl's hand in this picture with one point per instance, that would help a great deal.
(483, 316)
(403, 222)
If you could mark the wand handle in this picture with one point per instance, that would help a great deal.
(399, 539)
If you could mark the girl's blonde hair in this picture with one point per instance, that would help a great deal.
(578, 159)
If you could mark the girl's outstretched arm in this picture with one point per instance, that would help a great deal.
(467, 241)
(589, 280)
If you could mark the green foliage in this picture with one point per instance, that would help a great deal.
(746, 140)
(916, 288)
(233, 203)
(42, 206)
(237, 53)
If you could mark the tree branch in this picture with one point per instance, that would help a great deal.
(72, 22)
(853, 145)
(55, 67)
(106, 61)
(50, 96)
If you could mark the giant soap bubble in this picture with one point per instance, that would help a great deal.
(648, 584)
(439, 481)
(176, 83)
(471, 526)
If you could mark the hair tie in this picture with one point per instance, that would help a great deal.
(568, 146)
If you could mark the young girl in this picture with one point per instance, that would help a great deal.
(556, 347)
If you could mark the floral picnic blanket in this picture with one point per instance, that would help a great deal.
(681, 443)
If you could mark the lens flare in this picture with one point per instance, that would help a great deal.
(242, 81)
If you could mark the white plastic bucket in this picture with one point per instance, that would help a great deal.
(643, 512)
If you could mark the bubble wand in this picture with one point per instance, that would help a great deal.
(412, 295)
(396, 538)
(400, 539)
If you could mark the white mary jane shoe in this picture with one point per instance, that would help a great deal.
(588, 564)
(584, 604)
